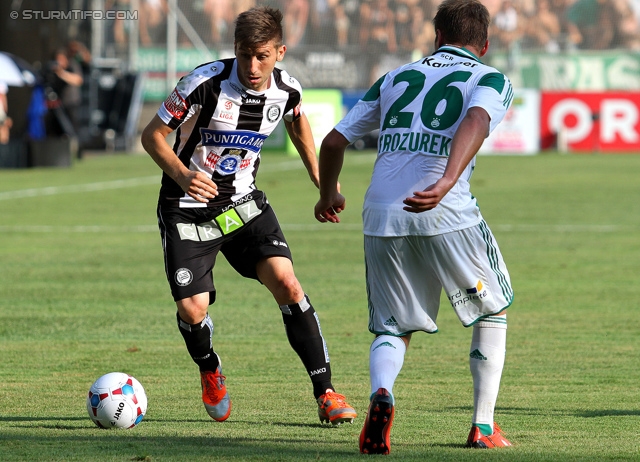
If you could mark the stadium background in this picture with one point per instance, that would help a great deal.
(574, 63)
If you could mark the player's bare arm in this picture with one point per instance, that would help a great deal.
(196, 184)
(331, 202)
(465, 144)
(302, 138)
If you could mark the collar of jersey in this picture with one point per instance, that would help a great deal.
(460, 51)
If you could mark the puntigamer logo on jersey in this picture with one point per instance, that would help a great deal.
(241, 139)
(476, 295)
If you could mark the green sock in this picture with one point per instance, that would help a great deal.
(485, 429)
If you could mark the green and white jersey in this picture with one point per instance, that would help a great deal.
(418, 108)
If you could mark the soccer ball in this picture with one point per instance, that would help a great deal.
(116, 400)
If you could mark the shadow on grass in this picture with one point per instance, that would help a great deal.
(39, 419)
(608, 413)
(538, 411)
(42, 422)
(510, 410)
(77, 436)
(130, 446)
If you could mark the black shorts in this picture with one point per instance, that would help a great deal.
(245, 233)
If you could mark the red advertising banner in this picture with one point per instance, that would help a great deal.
(590, 122)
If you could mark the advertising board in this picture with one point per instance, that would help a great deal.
(590, 122)
(519, 131)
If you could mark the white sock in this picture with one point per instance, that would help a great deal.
(486, 360)
(386, 357)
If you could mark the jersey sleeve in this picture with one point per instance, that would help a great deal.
(293, 108)
(364, 116)
(493, 93)
(294, 113)
(188, 94)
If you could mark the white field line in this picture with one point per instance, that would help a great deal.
(293, 164)
(319, 227)
(154, 228)
(586, 228)
(74, 188)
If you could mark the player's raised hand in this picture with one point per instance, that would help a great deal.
(199, 186)
(327, 210)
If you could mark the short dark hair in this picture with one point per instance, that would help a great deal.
(463, 22)
(258, 26)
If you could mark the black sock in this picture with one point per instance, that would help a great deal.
(197, 337)
(303, 331)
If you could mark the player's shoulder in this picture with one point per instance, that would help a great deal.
(211, 72)
(285, 80)
(488, 76)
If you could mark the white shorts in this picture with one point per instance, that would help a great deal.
(406, 275)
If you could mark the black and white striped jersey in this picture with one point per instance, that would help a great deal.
(221, 127)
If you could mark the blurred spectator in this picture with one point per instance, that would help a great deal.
(405, 27)
(527, 8)
(425, 35)
(635, 7)
(628, 30)
(5, 120)
(559, 8)
(119, 26)
(195, 15)
(385, 29)
(322, 19)
(347, 20)
(36, 113)
(591, 24)
(506, 27)
(377, 27)
(543, 29)
(152, 15)
(377, 34)
(296, 15)
(64, 78)
(242, 5)
(492, 5)
(343, 24)
(78, 52)
(220, 14)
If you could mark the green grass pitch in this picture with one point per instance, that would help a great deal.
(83, 293)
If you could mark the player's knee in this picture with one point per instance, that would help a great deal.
(193, 309)
(287, 289)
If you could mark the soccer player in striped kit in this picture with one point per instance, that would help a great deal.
(424, 232)
(223, 111)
